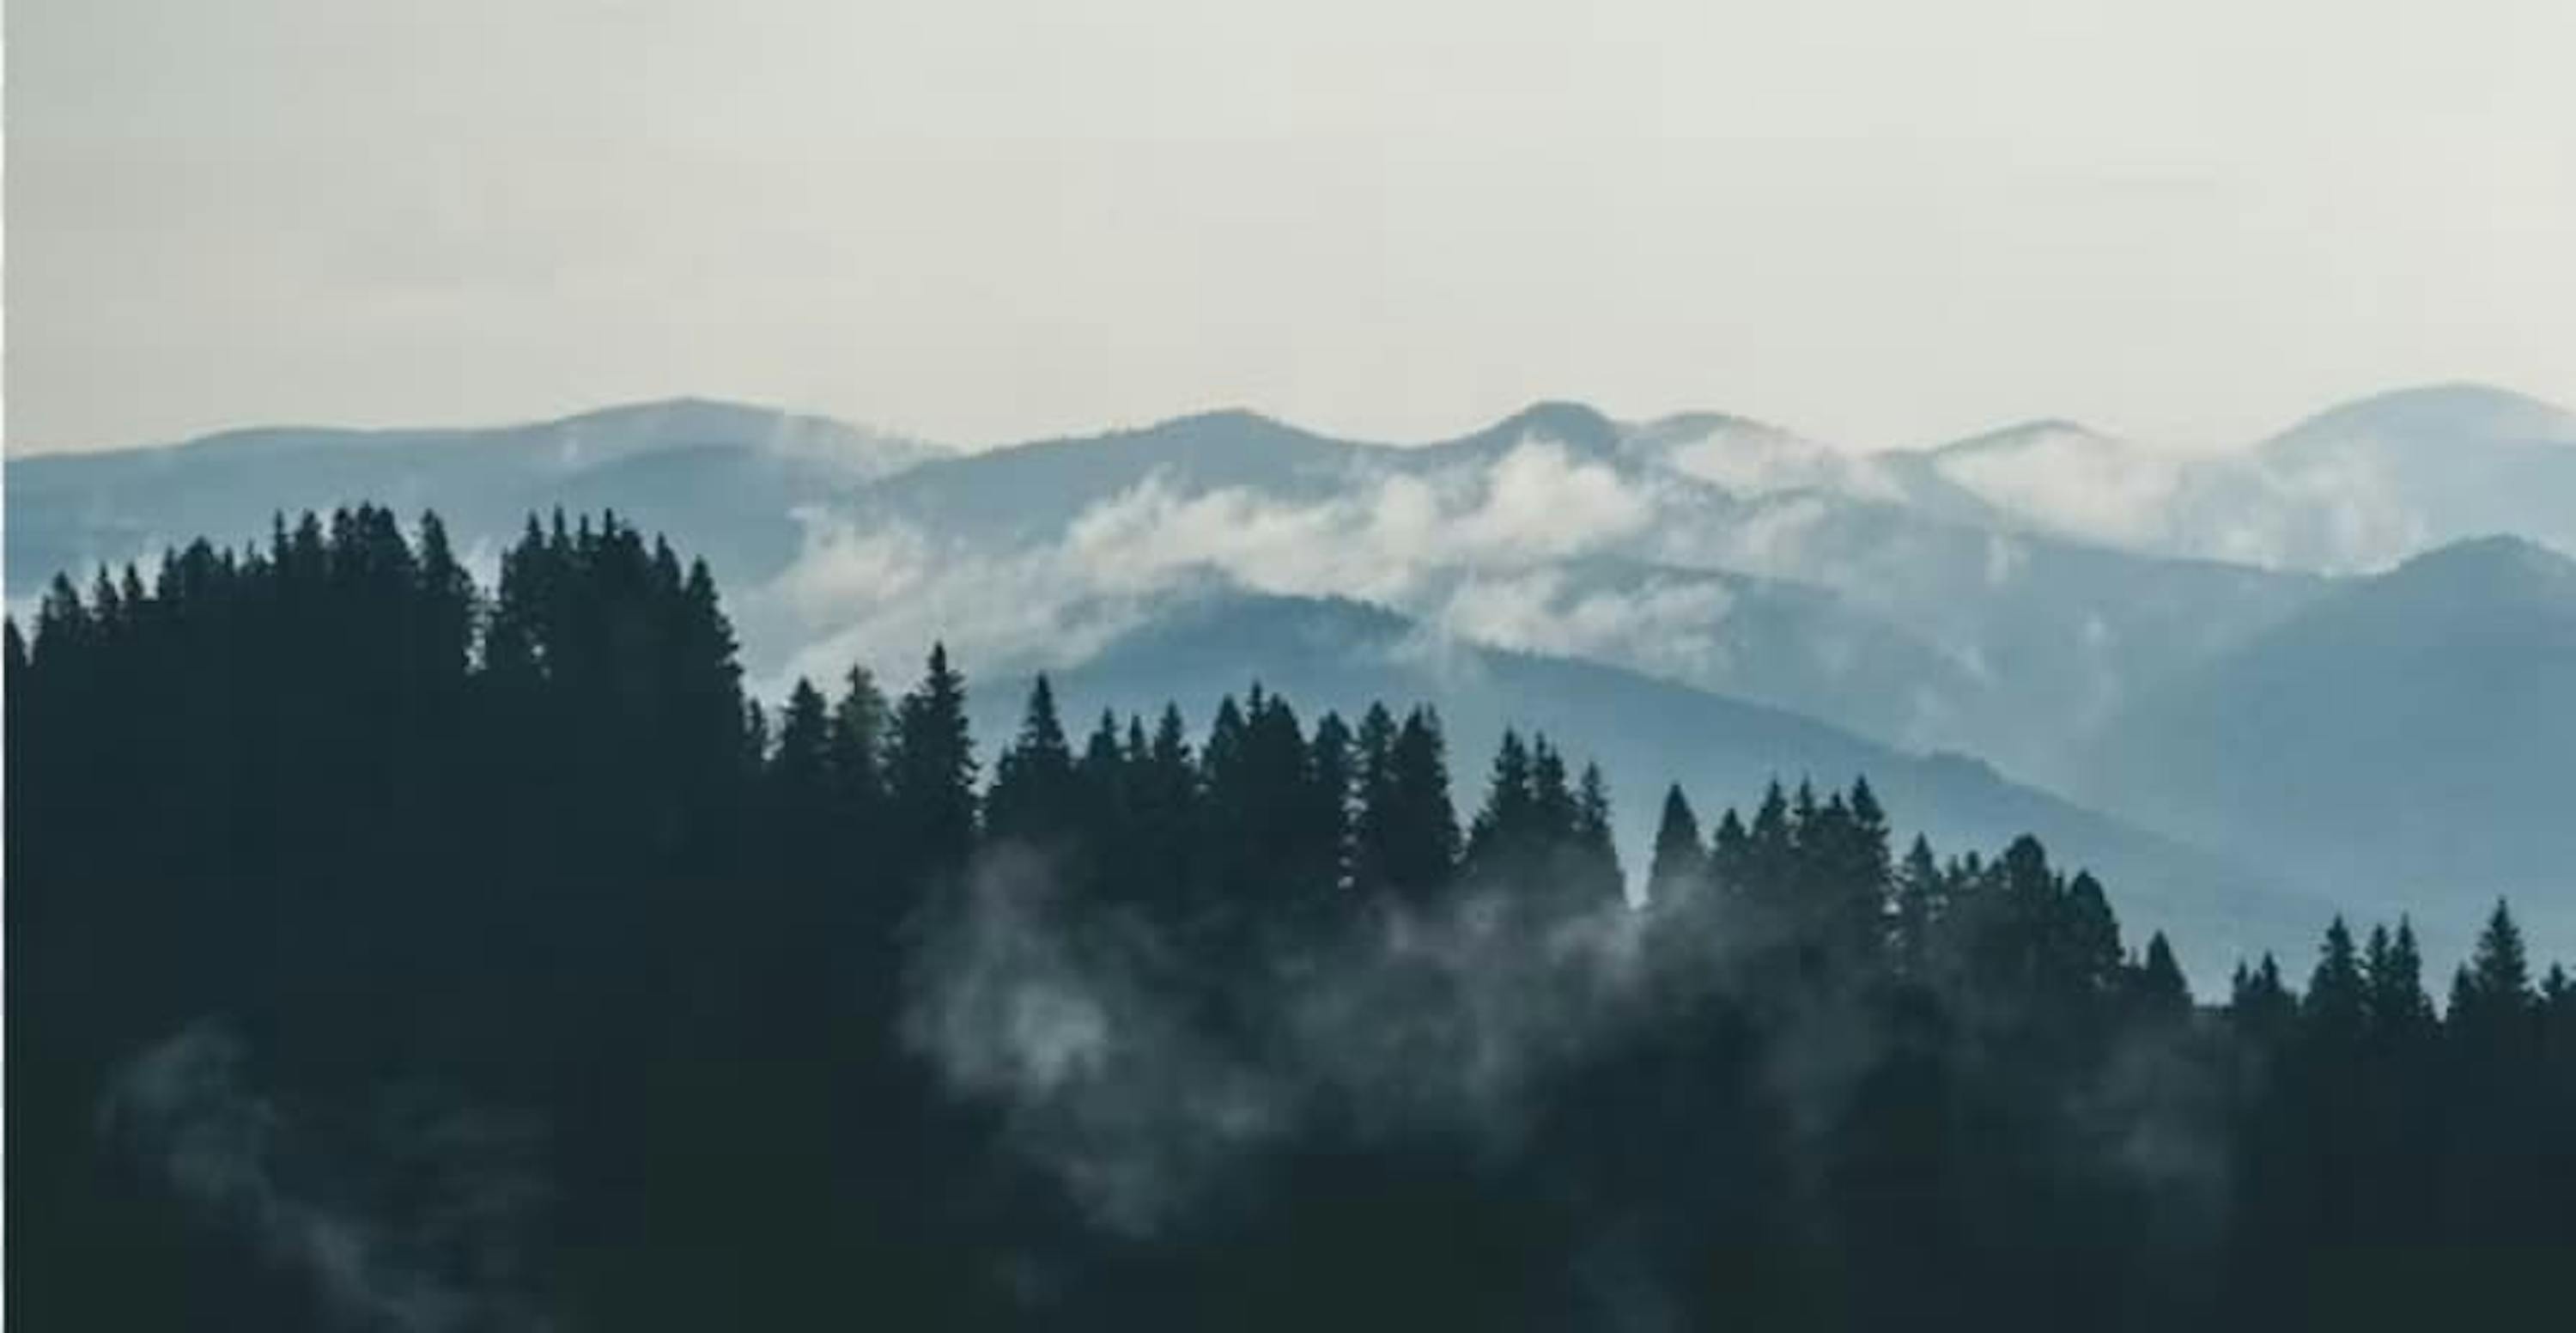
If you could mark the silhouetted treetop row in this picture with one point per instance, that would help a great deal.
(393, 867)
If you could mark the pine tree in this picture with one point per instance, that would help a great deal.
(1729, 855)
(62, 623)
(2260, 1004)
(800, 791)
(1163, 780)
(1331, 790)
(2500, 1108)
(1034, 798)
(1869, 834)
(1767, 878)
(1101, 771)
(2161, 993)
(2397, 1010)
(1922, 894)
(2494, 987)
(447, 599)
(1596, 877)
(2334, 1011)
(1374, 815)
(1855, 874)
(2493, 1014)
(801, 765)
(1510, 812)
(1680, 866)
(857, 753)
(2092, 941)
(1419, 841)
(930, 773)
(1555, 814)
(2558, 994)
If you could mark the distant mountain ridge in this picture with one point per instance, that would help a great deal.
(2354, 488)
(2083, 613)
(1324, 653)
(2409, 731)
(725, 473)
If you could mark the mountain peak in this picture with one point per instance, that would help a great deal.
(1222, 418)
(2021, 433)
(673, 417)
(1704, 422)
(1577, 425)
(1236, 428)
(2501, 556)
(2433, 413)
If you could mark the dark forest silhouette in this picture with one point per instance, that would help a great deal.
(387, 954)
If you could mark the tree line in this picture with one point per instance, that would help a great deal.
(390, 952)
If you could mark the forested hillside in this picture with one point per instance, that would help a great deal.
(388, 952)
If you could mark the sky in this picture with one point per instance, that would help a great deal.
(1884, 223)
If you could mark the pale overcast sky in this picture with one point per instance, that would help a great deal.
(975, 220)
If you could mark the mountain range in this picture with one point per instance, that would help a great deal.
(2306, 669)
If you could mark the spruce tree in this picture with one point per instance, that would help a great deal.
(1766, 878)
(1596, 877)
(860, 718)
(1034, 798)
(2162, 995)
(1375, 818)
(930, 773)
(2092, 938)
(1331, 787)
(1729, 855)
(1680, 866)
(801, 765)
(2335, 1008)
(1922, 892)
(2495, 984)
(1509, 814)
(1165, 787)
(2398, 1011)
(1420, 842)
(1555, 814)
(2260, 1004)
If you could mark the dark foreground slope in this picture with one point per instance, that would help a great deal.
(1648, 734)
(385, 956)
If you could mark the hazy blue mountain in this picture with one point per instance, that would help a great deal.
(2053, 476)
(723, 476)
(1772, 641)
(2010, 596)
(2405, 738)
(1712, 550)
(1751, 459)
(2379, 479)
(2357, 487)
(1911, 623)
(1645, 733)
(2057, 634)
(1032, 491)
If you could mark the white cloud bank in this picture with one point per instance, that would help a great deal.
(1467, 548)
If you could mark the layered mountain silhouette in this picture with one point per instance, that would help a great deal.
(2355, 488)
(2408, 734)
(727, 474)
(2232, 649)
(1646, 734)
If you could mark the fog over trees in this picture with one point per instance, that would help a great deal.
(390, 952)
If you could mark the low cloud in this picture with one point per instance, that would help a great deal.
(1145, 1089)
(1396, 537)
(2071, 480)
(1088, 1031)
(451, 1257)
